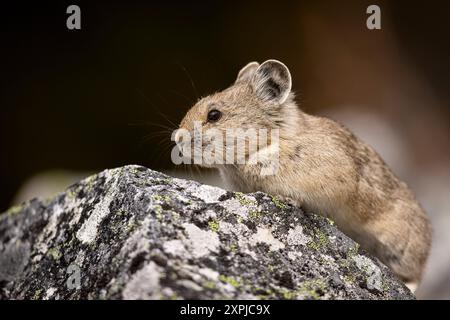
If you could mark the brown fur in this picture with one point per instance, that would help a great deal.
(323, 167)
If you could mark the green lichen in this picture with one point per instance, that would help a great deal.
(278, 203)
(319, 241)
(131, 226)
(209, 285)
(71, 193)
(93, 245)
(288, 294)
(353, 251)
(365, 269)
(37, 294)
(213, 225)
(54, 253)
(174, 296)
(321, 260)
(243, 200)
(254, 214)
(385, 285)
(160, 198)
(121, 213)
(121, 172)
(345, 263)
(158, 212)
(90, 182)
(230, 280)
(312, 288)
(331, 222)
(68, 244)
(175, 215)
(14, 210)
(350, 279)
(264, 294)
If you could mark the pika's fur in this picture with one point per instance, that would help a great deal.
(322, 166)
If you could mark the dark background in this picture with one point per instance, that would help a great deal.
(107, 95)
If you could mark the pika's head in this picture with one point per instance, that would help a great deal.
(260, 98)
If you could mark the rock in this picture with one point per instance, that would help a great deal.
(133, 233)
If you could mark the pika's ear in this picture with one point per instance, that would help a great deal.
(247, 72)
(272, 81)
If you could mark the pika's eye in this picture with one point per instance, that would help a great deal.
(214, 115)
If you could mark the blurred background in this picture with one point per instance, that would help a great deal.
(74, 103)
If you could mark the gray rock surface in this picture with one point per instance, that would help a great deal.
(133, 233)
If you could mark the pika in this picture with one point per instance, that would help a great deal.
(322, 167)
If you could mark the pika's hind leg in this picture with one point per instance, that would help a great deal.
(402, 248)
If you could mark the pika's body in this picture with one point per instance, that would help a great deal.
(323, 167)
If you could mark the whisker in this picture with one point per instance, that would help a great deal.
(155, 109)
(194, 88)
(188, 100)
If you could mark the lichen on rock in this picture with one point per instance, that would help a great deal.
(134, 233)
